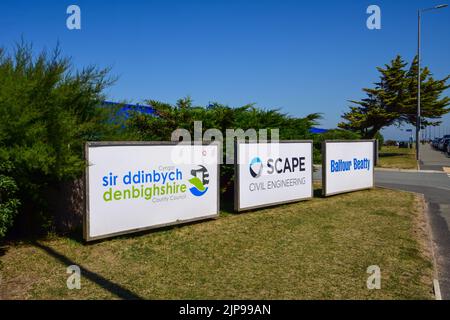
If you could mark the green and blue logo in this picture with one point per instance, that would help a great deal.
(199, 181)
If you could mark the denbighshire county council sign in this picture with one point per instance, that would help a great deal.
(134, 186)
(347, 166)
(272, 173)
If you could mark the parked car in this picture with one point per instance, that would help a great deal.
(403, 144)
(443, 144)
(435, 142)
(440, 144)
(448, 150)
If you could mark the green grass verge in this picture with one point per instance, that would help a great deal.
(318, 249)
(396, 158)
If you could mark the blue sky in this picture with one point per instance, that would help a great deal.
(300, 56)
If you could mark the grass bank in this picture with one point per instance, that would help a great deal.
(396, 158)
(318, 249)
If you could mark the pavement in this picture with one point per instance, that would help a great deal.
(433, 181)
(432, 159)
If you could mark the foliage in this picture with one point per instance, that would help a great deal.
(380, 138)
(215, 116)
(9, 204)
(47, 112)
(391, 143)
(393, 101)
(337, 134)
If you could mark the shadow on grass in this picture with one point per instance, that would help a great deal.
(318, 193)
(227, 206)
(137, 234)
(75, 235)
(106, 284)
(393, 154)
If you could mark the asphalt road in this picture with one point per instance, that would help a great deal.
(436, 188)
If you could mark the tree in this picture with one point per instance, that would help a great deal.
(393, 100)
(47, 112)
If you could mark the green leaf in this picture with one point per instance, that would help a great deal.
(197, 183)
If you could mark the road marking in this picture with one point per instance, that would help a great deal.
(437, 290)
(406, 170)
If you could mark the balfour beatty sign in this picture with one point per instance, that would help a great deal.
(347, 166)
(136, 186)
(355, 165)
(272, 173)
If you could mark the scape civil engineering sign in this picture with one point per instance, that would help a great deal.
(134, 186)
(272, 173)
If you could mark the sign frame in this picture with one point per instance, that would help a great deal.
(86, 211)
(237, 207)
(324, 166)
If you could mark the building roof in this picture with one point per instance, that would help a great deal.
(125, 108)
(317, 130)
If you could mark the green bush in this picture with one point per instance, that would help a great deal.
(9, 204)
(391, 143)
(47, 112)
(337, 134)
(183, 114)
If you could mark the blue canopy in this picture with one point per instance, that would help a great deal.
(317, 130)
(126, 108)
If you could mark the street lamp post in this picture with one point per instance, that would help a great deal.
(418, 122)
(418, 87)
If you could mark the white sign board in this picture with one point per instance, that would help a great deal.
(347, 166)
(272, 173)
(136, 186)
